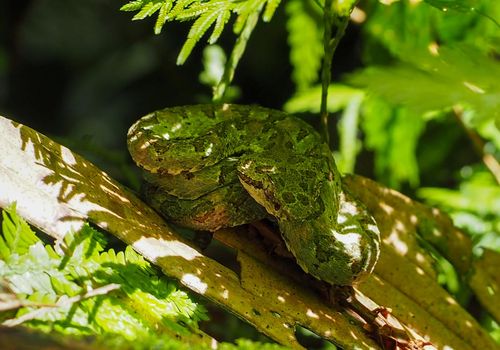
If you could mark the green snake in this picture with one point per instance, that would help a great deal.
(213, 166)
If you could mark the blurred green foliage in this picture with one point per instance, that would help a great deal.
(474, 206)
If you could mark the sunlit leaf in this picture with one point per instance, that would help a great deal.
(457, 5)
(456, 77)
(348, 133)
(309, 100)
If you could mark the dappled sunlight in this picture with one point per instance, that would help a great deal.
(269, 291)
(420, 271)
(160, 248)
(394, 239)
(109, 191)
(195, 283)
(451, 301)
(406, 273)
(437, 233)
(312, 314)
(474, 88)
(386, 208)
(420, 257)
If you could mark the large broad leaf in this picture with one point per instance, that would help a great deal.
(457, 76)
(458, 5)
(57, 190)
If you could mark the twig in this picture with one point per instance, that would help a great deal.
(330, 45)
(61, 303)
(488, 159)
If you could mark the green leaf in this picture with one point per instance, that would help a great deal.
(162, 16)
(179, 10)
(17, 236)
(197, 30)
(132, 6)
(271, 7)
(393, 134)
(344, 8)
(348, 134)
(147, 10)
(473, 206)
(457, 5)
(456, 77)
(244, 10)
(305, 40)
(221, 21)
(145, 302)
(405, 27)
(339, 96)
(479, 194)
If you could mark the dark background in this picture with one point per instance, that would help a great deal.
(83, 71)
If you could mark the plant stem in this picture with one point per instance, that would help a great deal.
(238, 50)
(330, 44)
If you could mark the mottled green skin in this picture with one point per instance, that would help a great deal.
(213, 166)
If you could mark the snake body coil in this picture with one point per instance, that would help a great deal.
(213, 166)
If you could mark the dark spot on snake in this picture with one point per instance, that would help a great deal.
(187, 175)
(270, 197)
(304, 185)
(303, 199)
(309, 174)
(237, 154)
(199, 145)
(302, 133)
(288, 197)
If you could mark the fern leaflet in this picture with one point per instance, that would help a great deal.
(205, 14)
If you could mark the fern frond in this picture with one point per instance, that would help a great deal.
(204, 13)
(144, 303)
(196, 10)
(200, 27)
(219, 26)
(17, 235)
(162, 16)
(305, 40)
(179, 7)
(132, 6)
(244, 10)
(147, 10)
(271, 7)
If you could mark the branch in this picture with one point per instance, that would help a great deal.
(57, 190)
(60, 303)
(330, 44)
